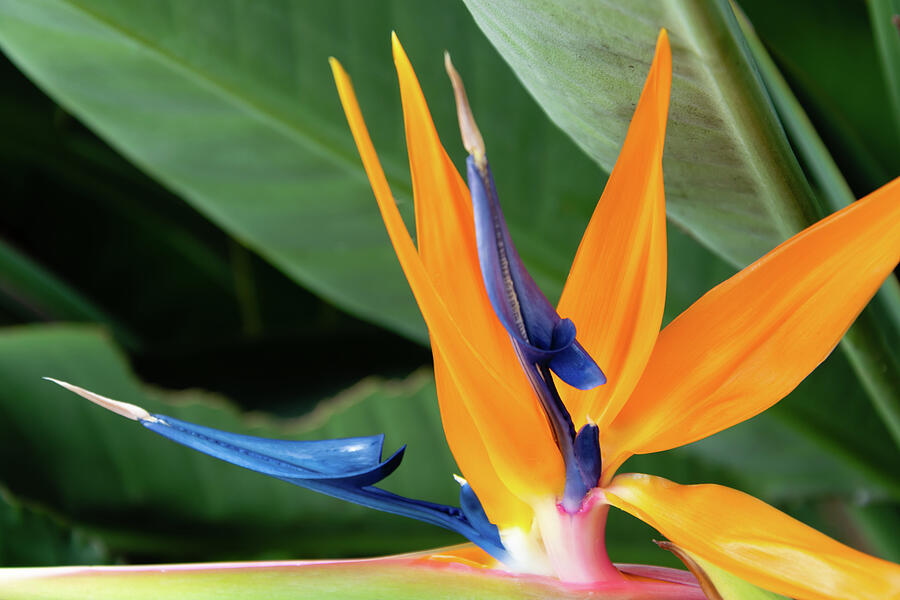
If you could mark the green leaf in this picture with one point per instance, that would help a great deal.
(885, 16)
(31, 291)
(146, 495)
(840, 85)
(731, 178)
(252, 134)
(32, 537)
(877, 522)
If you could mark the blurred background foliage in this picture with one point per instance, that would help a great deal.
(186, 226)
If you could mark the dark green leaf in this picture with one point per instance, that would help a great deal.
(885, 16)
(255, 139)
(30, 537)
(840, 85)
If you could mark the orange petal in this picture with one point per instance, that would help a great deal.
(512, 426)
(753, 540)
(750, 340)
(502, 507)
(465, 554)
(445, 232)
(617, 285)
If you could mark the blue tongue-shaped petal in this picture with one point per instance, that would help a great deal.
(540, 334)
(350, 462)
(344, 468)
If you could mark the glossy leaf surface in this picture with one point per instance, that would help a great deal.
(255, 139)
(728, 165)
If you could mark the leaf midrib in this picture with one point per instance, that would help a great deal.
(244, 102)
(779, 218)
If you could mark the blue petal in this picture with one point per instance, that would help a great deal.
(576, 367)
(543, 340)
(351, 461)
(474, 512)
(587, 454)
(343, 468)
(526, 314)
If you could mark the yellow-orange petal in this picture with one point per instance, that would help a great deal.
(750, 340)
(513, 428)
(616, 288)
(463, 554)
(754, 541)
(502, 507)
(445, 233)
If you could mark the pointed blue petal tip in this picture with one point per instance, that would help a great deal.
(587, 454)
(474, 512)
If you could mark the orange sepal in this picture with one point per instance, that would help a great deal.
(616, 287)
(750, 340)
(753, 540)
(502, 507)
(445, 233)
(511, 424)
(463, 554)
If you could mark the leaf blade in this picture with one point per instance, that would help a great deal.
(722, 127)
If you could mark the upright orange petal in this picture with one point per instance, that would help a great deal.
(617, 285)
(501, 505)
(749, 341)
(754, 541)
(512, 426)
(445, 233)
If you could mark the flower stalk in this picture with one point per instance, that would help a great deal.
(576, 541)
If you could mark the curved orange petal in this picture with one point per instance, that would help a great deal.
(464, 554)
(502, 507)
(617, 285)
(753, 540)
(750, 340)
(445, 233)
(513, 428)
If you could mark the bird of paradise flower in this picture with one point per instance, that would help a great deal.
(537, 431)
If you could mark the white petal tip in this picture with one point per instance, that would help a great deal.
(129, 411)
(461, 481)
